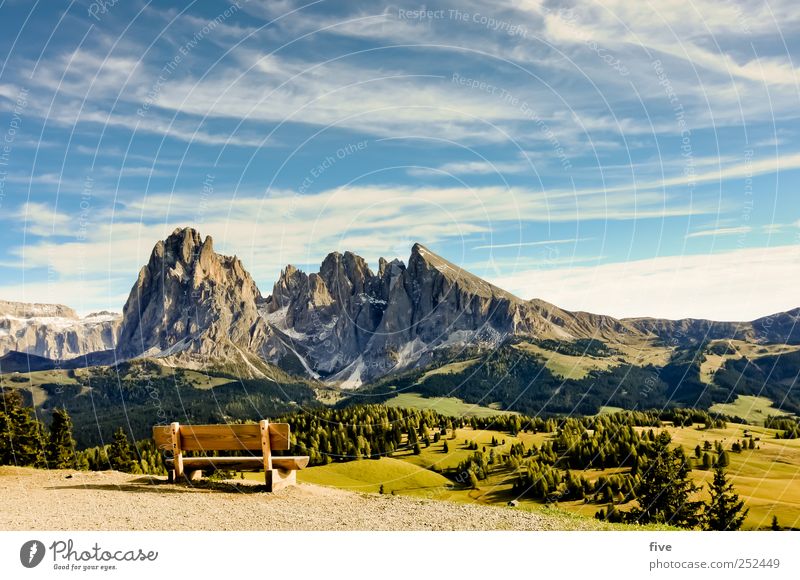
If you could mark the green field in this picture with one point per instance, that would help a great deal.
(752, 409)
(568, 366)
(450, 406)
(738, 349)
(33, 381)
(368, 475)
(766, 478)
(448, 369)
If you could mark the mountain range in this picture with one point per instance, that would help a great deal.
(345, 324)
(350, 327)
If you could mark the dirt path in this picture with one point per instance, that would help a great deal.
(65, 500)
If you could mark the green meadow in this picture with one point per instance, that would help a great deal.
(765, 477)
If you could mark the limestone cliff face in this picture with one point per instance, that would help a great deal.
(54, 331)
(192, 303)
(352, 325)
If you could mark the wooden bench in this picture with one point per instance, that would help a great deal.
(266, 437)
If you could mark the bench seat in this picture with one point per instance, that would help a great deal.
(241, 463)
(265, 437)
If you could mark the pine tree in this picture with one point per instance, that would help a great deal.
(119, 453)
(21, 435)
(665, 488)
(60, 450)
(445, 448)
(775, 525)
(725, 511)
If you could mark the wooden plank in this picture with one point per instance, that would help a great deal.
(242, 463)
(177, 450)
(266, 451)
(233, 437)
(162, 435)
(221, 437)
(290, 462)
(279, 437)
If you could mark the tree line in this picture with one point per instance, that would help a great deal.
(26, 441)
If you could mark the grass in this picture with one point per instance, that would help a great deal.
(568, 366)
(36, 379)
(714, 362)
(752, 409)
(367, 475)
(765, 478)
(609, 410)
(450, 406)
(448, 369)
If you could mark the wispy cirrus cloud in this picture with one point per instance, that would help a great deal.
(718, 232)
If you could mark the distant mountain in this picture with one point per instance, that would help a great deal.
(54, 331)
(352, 325)
(345, 324)
(191, 307)
(20, 362)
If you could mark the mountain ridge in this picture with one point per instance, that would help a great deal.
(345, 324)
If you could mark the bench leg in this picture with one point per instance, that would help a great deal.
(279, 478)
(194, 475)
(171, 476)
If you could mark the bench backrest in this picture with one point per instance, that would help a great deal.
(223, 437)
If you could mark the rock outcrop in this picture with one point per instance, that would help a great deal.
(54, 331)
(192, 305)
(351, 325)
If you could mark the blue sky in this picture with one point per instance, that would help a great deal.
(617, 157)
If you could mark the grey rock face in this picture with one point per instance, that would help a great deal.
(54, 331)
(351, 325)
(344, 324)
(192, 303)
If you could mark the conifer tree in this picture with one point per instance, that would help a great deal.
(21, 435)
(119, 453)
(725, 511)
(60, 449)
(665, 488)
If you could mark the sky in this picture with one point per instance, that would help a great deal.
(625, 158)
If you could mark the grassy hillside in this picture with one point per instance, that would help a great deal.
(765, 477)
(368, 475)
(754, 410)
(443, 405)
(141, 394)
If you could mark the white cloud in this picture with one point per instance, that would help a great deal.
(527, 244)
(84, 296)
(475, 168)
(737, 285)
(40, 219)
(270, 231)
(717, 232)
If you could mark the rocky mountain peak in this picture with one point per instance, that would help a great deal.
(191, 301)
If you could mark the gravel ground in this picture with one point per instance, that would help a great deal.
(34, 499)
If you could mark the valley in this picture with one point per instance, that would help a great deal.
(418, 379)
(765, 478)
